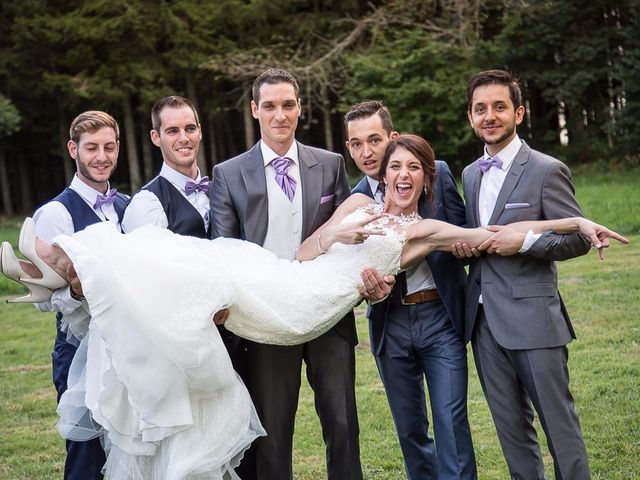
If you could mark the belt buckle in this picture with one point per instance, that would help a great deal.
(403, 303)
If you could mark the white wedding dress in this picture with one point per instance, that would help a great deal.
(151, 369)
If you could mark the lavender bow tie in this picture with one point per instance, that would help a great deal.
(107, 199)
(201, 186)
(286, 182)
(486, 163)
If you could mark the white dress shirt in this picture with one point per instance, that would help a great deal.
(493, 179)
(53, 219)
(145, 207)
(284, 229)
(491, 184)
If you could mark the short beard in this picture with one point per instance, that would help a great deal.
(500, 139)
(84, 170)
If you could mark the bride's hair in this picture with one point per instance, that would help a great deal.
(420, 149)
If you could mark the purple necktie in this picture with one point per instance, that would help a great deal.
(286, 182)
(201, 186)
(486, 163)
(107, 199)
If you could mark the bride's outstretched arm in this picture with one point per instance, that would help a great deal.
(598, 235)
(429, 235)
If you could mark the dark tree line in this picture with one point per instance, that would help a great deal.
(578, 61)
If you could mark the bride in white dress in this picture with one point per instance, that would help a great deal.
(152, 371)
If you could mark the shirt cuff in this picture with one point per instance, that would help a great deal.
(377, 301)
(62, 301)
(529, 240)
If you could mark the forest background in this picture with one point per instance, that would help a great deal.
(578, 63)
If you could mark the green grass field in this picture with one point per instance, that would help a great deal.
(602, 297)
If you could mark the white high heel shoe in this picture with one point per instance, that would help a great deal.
(10, 268)
(27, 246)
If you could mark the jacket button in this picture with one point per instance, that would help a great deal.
(477, 281)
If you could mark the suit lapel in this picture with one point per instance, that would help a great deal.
(427, 209)
(510, 182)
(311, 173)
(257, 211)
(474, 190)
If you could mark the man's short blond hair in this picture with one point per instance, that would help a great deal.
(91, 122)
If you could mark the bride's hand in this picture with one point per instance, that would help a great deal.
(351, 233)
(599, 235)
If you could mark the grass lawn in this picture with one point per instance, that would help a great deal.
(603, 299)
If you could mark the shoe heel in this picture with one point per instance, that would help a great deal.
(37, 294)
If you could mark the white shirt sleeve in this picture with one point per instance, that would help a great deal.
(529, 240)
(53, 219)
(144, 209)
(61, 301)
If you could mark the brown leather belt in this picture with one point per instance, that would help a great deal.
(421, 297)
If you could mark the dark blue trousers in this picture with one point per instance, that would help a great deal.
(84, 459)
(420, 342)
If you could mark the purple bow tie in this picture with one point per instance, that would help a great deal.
(201, 186)
(486, 163)
(286, 182)
(107, 199)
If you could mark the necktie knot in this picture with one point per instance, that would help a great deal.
(286, 182)
(200, 186)
(106, 199)
(281, 165)
(486, 163)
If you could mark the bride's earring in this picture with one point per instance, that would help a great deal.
(426, 190)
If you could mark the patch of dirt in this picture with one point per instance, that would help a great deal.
(26, 368)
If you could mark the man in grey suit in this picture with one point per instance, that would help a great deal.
(515, 318)
(276, 195)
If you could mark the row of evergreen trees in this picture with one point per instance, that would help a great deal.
(578, 61)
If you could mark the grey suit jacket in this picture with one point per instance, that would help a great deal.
(239, 202)
(520, 293)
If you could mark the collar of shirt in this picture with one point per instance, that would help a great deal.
(88, 194)
(373, 184)
(507, 154)
(268, 155)
(176, 178)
